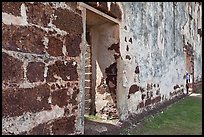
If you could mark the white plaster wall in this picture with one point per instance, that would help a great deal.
(157, 31)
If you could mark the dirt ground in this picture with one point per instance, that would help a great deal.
(115, 127)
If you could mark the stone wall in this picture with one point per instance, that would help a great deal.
(43, 60)
(41, 68)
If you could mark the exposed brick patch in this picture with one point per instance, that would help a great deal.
(137, 71)
(149, 86)
(13, 8)
(142, 89)
(115, 47)
(60, 97)
(12, 70)
(39, 14)
(55, 47)
(148, 102)
(103, 7)
(72, 44)
(35, 71)
(68, 21)
(127, 48)
(175, 87)
(17, 101)
(64, 126)
(62, 70)
(157, 91)
(148, 94)
(143, 96)
(133, 89)
(156, 99)
(22, 38)
(130, 40)
(141, 105)
(115, 11)
(200, 32)
(128, 57)
(116, 56)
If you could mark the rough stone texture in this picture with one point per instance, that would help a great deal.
(157, 37)
(115, 11)
(40, 80)
(63, 126)
(17, 101)
(41, 129)
(103, 7)
(10, 65)
(23, 39)
(60, 97)
(72, 45)
(39, 14)
(35, 71)
(13, 8)
(67, 71)
(55, 47)
(68, 21)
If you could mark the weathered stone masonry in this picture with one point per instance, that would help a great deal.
(44, 76)
(41, 57)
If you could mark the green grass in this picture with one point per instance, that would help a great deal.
(181, 118)
(93, 117)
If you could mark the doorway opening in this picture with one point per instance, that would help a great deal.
(102, 38)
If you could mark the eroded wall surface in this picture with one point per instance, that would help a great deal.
(154, 38)
(43, 58)
(41, 68)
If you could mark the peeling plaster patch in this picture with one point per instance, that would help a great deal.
(10, 19)
(23, 13)
(27, 121)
